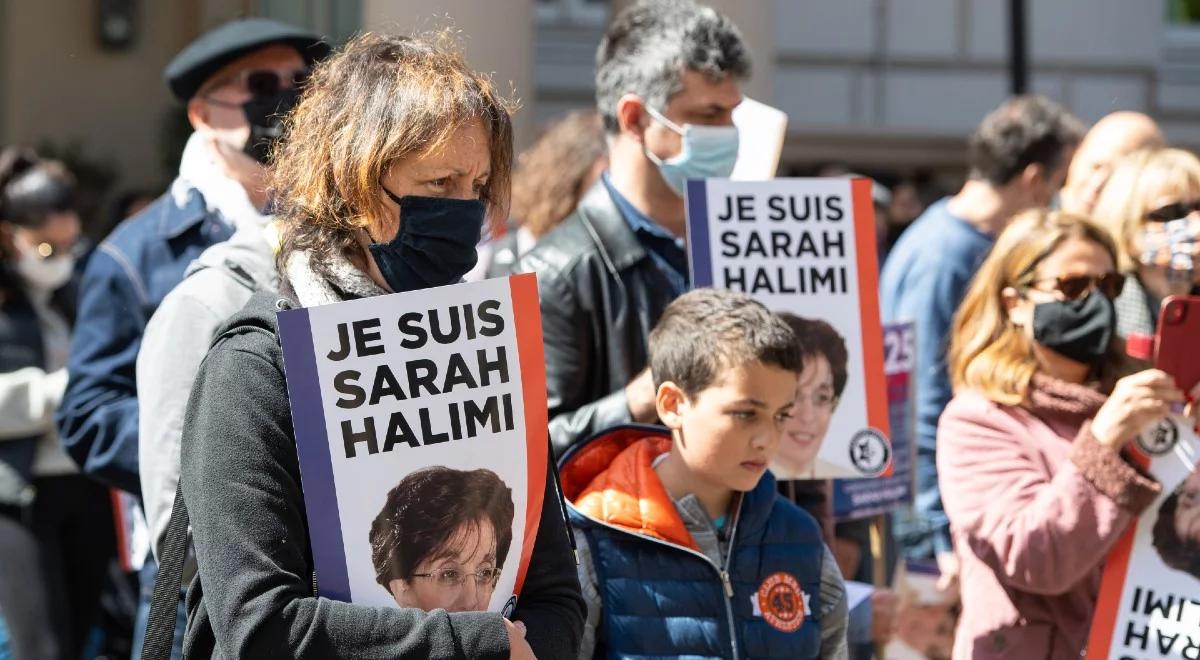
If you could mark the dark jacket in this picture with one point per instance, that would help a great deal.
(126, 278)
(20, 347)
(663, 597)
(601, 295)
(253, 596)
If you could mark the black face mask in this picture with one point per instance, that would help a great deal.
(435, 245)
(1081, 330)
(265, 115)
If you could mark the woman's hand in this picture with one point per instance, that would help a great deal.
(518, 648)
(1137, 403)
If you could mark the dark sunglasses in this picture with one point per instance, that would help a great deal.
(1173, 211)
(268, 83)
(265, 82)
(1074, 287)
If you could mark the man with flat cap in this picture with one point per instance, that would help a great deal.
(237, 81)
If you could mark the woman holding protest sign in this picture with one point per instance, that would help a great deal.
(389, 167)
(1032, 449)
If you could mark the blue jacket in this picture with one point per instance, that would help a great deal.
(126, 278)
(663, 599)
(924, 280)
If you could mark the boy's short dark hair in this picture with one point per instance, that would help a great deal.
(706, 330)
(816, 337)
(649, 45)
(1024, 130)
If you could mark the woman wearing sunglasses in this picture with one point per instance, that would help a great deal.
(56, 526)
(1031, 450)
(389, 165)
(1151, 205)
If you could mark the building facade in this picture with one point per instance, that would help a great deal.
(877, 85)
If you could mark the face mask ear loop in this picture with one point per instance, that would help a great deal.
(658, 117)
(662, 119)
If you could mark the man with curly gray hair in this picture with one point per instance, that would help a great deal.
(668, 76)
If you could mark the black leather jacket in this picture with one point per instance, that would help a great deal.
(601, 295)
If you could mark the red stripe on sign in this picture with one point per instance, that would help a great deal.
(868, 312)
(1112, 585)
(527, 316)
(123, 531)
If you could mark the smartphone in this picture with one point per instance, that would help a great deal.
(1177, 346)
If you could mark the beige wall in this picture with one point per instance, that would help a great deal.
(59, 85)
(498, 38)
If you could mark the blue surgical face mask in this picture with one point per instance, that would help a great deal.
(435, 245)
(708, 152)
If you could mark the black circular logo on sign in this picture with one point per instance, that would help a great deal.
(869, 452)
(509, 607)
(1160, 439)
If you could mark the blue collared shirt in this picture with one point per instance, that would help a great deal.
(667, 250)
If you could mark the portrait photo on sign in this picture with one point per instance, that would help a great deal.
(442, 537)
(818, 391)
(1176, 531)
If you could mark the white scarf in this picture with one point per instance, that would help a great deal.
(314, 289)
(198, 169)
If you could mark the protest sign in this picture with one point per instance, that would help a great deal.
(806, 246)
(854, 499)
(420, 424)
(761, 133)
(1149, 604)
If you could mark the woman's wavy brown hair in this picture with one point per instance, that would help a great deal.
(552, 174)
(988, 353)
(378, 100)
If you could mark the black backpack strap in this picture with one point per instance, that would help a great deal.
(164, 605)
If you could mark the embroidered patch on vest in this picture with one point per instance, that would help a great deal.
(782, 602)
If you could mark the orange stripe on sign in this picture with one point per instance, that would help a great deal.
(527, 316)
(123, 556)
(868, 312)
(1112, 586)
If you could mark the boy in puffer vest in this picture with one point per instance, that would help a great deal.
(685, 547)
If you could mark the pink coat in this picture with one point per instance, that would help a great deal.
(1035, 504)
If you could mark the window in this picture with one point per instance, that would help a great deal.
(336, 19)
(573, 12)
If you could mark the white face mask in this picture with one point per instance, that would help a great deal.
(43, 273)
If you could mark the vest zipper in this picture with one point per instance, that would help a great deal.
(723, 573)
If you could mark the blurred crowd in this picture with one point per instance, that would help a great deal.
(146, 365)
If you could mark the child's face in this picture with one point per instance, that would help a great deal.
(729, 432)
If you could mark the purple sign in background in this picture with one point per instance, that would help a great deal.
(863, 498)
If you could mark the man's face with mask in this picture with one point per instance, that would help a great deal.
(244, 91)
(700, 102)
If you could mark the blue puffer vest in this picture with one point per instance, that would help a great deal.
(661, 599)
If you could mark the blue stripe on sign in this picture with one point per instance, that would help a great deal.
(699, 247)
(312, 446)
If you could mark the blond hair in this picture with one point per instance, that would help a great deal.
(1136, 181)
(988, 353)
